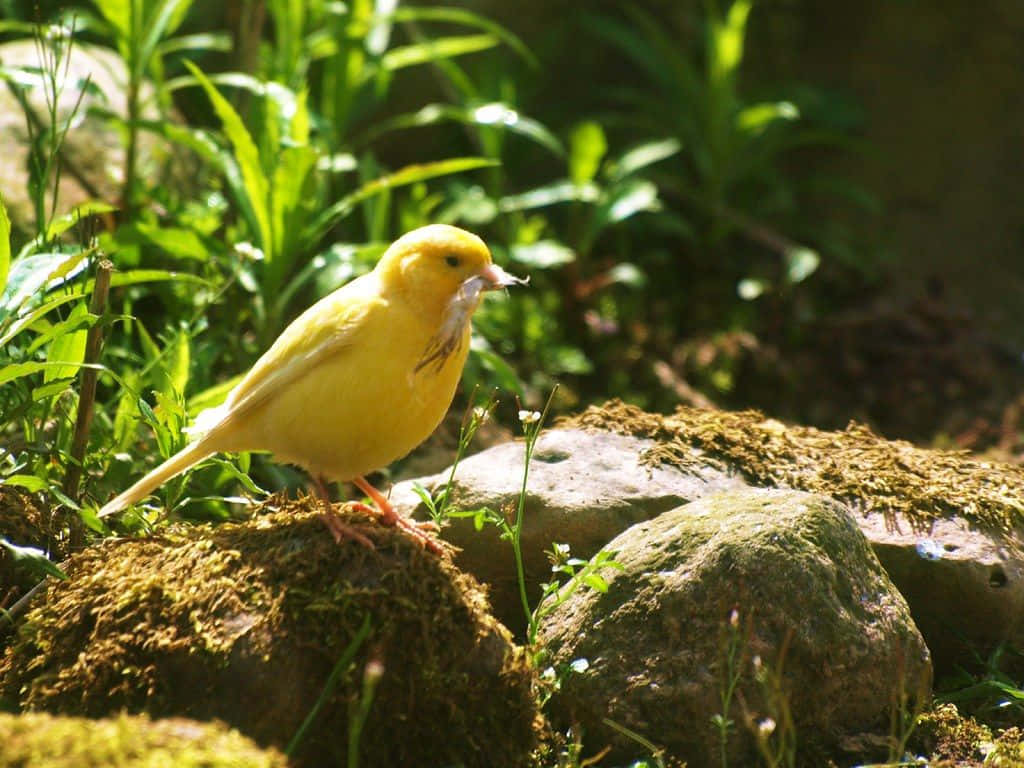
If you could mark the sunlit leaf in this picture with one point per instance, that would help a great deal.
(757, 117)
(469, 19)
(29, 483)
(437, 48)
(495, 114)
(587, 147)
(29, 276)
(751, 288)
(727, 40)
(550, 194)
(801, 263)
(62, 224)
(544, 254)
(627, 274)
(178, 242)
(5, 245)
(632, 198)
(254, 181)
(204, 41)
(402, 177)
(20, 370)
(32, 560)
(643, 156)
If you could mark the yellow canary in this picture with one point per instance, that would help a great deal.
(360, 378)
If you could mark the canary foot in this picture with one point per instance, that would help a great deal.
(387, 515)
(339, 530)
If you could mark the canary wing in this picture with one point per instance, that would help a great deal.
(324, 330)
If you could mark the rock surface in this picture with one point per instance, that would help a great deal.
(93, 154)
(584, 489)
(783, 577)
(964, 581)
(245, 623)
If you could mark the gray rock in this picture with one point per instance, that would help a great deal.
(964, 585)
(835, 640)
(584, 489)
(93, 166)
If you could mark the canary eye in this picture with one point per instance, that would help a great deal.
(452, 261)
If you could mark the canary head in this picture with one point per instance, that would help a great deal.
(432, 265)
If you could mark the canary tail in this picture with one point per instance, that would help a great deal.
(188, 456)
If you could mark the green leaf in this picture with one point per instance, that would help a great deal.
(20, 370)
(403, 177)
(178, 242)
(750, 288)
(212, 397)
(30, 275)
(75, 321)
(174, 368)
(469, 19)
(496, 114)
(438, 48)
(30, 483)
(544, 254)
(505, 375)
(117, 13)
(67, 348)
(587, 147)
(32, 560)
(160, 22)
(631, 198)
(801, 263)
(629, 274)
(5, 245)
(254, 182)
(643, 156)
(118, 279)
(757, 117)
(727, 40)
(550, 194)
(62, 224)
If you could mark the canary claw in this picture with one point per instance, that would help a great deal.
(340, 531)
(419, 531)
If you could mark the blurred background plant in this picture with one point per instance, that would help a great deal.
(235, 162)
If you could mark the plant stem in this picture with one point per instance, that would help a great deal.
(87, 392)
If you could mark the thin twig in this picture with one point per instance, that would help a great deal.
(87, 393)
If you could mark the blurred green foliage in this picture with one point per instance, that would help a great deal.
(663, 232)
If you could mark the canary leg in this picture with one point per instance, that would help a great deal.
(339, 530)
(388, 516)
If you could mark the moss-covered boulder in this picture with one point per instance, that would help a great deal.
(126, 741)
(245, 623)
(766, 607)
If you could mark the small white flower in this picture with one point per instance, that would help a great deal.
(249, 251)
(480, 414)
(766, 727)
(734, 618)
(529, 417)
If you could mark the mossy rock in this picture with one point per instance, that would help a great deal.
(126, 741)
(245, 622)
(774, 594)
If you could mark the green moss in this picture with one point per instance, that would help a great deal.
(244, 622)
(126, 741)
(855, 466)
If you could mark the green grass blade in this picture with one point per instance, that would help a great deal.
(5, 246)
(247, 156)
(438, 48)
(469, 19)
(403, 177)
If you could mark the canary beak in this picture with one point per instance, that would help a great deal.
(497, 277)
